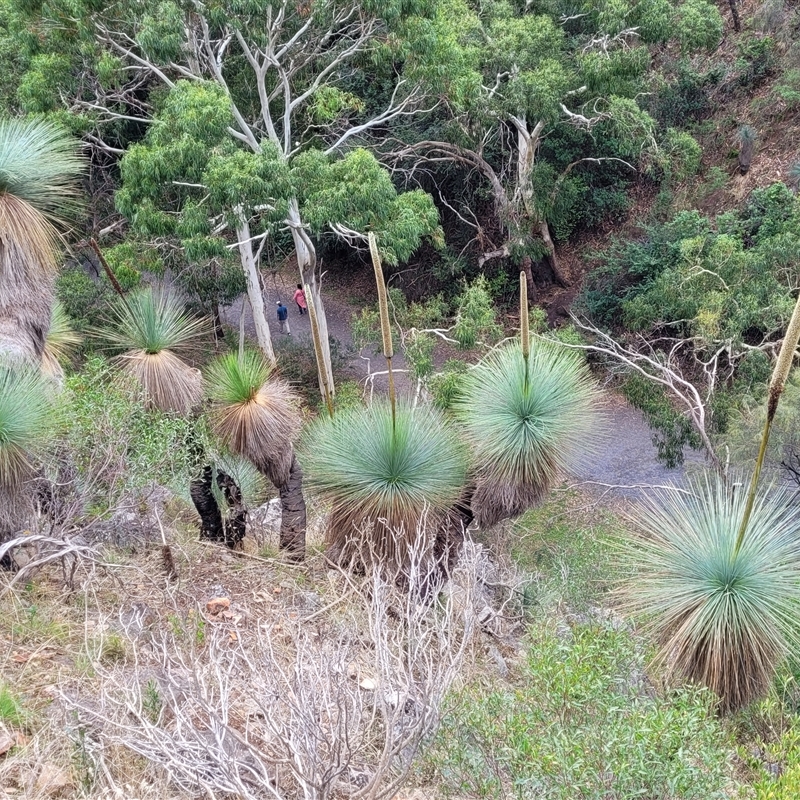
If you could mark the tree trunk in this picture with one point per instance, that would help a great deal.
(307, 264)
(219, 331)
(293, 514)
(254, 289)
(552, 259)
(214, 526)
(737, 23)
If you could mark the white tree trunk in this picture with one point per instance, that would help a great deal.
(254, 289)
(307, 264)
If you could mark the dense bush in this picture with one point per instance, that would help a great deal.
(112, 446)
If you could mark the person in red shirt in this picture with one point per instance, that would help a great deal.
(300, 298)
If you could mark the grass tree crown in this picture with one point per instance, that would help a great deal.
(724, 618)
(371, 470)
(39, 166)
(152, 328)
(25, 406)
(527, 420)
(255, 414)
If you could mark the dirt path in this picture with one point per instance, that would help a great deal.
(620, 463)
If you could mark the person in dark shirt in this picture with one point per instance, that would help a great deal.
(283, 318)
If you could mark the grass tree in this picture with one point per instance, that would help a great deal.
(24, 411)
(256, 416)
(39, 172)
(528, 410)
(723, 617)
(60, 342)
(388, 474)
(152, 329)
(716, 571)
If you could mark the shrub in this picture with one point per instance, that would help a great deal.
(112, 445)
(580, 721)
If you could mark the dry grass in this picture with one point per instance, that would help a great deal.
(132, 688)
(167, 382)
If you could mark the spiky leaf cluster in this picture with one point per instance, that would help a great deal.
(371, 470)
(24, 410)
(152, 327)
(255, 415)
(528, 421)
(723, 618)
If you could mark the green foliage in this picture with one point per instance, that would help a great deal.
(672, 431)
(445, 386)
(683, 99)
(84, 300)
(723, 618)
(47, 74)
(569, 553)
(699, 25)
(25, 411)
(788, 88)
(757, 61)
(476, 316)
(722, 280)
(115, 445)
(418, 352)
(680, 155)
(11, 710)
(372, 469)
(579, 720)
(357, 192)
(130, 259)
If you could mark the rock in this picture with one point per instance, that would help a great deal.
(217, 605)
(53, 780)
(264, 522)
(7, 741)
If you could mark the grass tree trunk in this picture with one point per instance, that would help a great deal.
(307, 264)
(293, 514)
(254, 290)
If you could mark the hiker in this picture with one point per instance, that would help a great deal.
(283, 318)
(300, 298)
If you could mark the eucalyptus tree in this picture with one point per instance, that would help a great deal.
(519, 76)
(289, 76)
